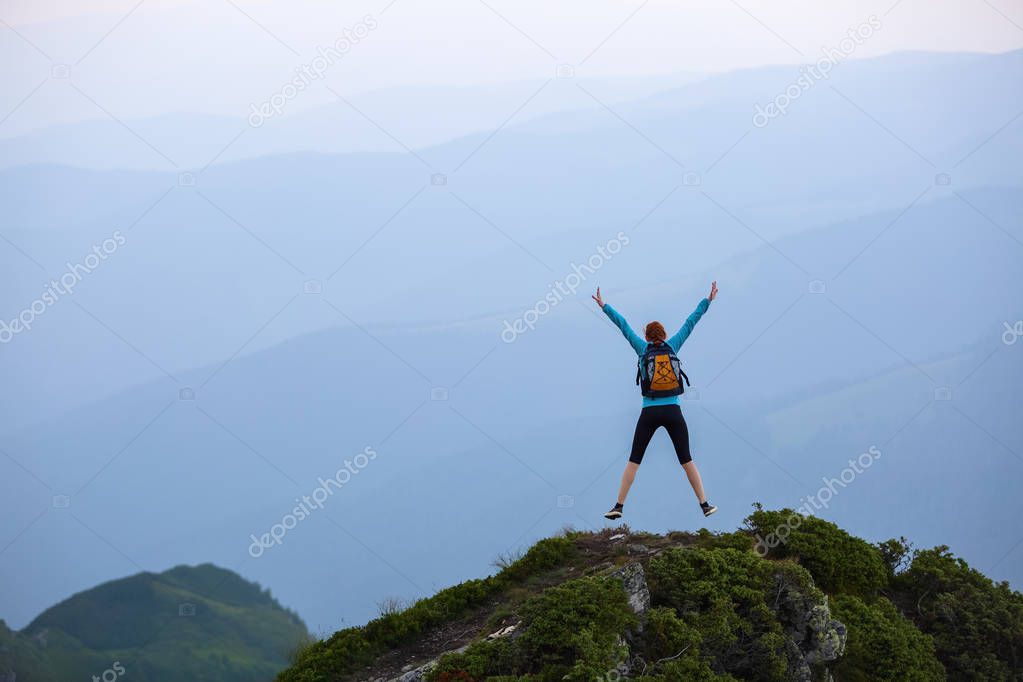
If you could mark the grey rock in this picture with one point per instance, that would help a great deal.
(504, 632)
(830, 643)
(799, 669)
(419, 674)
(633, 579)
(814, 637)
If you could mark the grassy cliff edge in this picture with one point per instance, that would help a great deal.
(786, 597)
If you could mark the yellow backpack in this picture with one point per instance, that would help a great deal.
(660, 374)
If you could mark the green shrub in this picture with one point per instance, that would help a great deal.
(670, 639)
(977, 624)
(883, 645)
(394, 628)
(723, 596)
(685, 669)
(839, 562)
(895, 554)
(569, 632)
(554, 621)
(348, 650)
(352, 648)
(736, 540)
(544, 555)
(479, 661)
(596, 656)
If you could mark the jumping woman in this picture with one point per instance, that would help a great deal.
(661, 377)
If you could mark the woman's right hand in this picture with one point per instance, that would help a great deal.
(598, 298)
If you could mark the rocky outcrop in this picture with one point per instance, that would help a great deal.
(814, 637)
(419, 674)
(633, 579)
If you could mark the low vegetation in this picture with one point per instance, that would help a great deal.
(351, 650)
(722, 607)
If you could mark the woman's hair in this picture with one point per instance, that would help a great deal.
(655, 332)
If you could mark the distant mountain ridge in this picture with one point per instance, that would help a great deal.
(187, 623)
(442, 114)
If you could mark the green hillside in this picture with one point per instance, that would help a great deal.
(821, 605)
(188, 623)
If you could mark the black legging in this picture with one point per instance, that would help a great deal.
(652, 418)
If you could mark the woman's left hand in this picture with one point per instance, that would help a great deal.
(713, 291)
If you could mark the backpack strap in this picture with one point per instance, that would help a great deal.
(642, 357)
(639, 362)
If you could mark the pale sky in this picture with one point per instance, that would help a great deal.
(140, 59)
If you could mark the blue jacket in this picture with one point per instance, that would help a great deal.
(639, 344)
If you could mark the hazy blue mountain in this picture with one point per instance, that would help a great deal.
(525, 205)
(416, 116)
